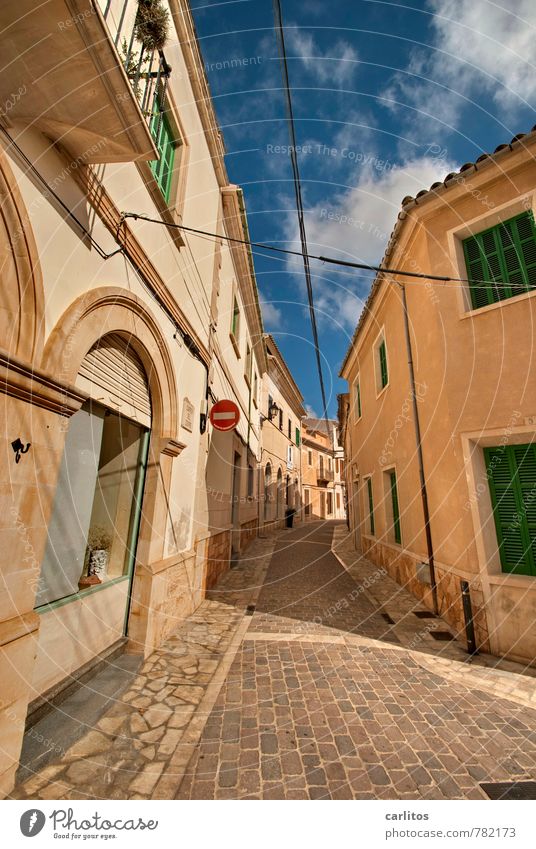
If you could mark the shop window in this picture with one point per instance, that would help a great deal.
(501, 261)
(511, 472)
(93, 529)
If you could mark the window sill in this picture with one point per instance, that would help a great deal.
(499, 305)
(381, 391)
(234, 343)
(513, 580)
(81, 594)
(167, 212)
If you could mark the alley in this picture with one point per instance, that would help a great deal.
(288, 683)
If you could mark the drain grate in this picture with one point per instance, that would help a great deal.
(250, 609)
(510, 790)
(388, 619)
(424, 614)
(441, 635)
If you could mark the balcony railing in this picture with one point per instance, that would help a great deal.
(324, 474)
(147, 70)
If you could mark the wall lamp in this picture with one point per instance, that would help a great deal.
(18, 448)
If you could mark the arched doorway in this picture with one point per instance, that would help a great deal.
(94, 526)
(267, 486)
(280, 494)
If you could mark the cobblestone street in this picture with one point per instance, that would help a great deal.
(292, 682)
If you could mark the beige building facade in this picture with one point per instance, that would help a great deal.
(323, 494)
(120, 502)
(471, 341)
(280, 415)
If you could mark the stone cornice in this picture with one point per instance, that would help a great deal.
(20, 380)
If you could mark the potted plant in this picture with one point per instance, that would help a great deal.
(152, 24)
(99, 544)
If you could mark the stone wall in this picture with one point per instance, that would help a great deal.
(401, 566)
(217, 558)
(248, 532)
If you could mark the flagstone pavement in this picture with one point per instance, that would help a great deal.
(295, 679)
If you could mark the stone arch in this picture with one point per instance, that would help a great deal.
(22, 299)
(113, 310)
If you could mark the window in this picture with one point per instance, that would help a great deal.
(309, 458)
(289, 431)
(307, 495)
(394, 507)
(357, 400)
(93, 528)
(338, 500)
(255, 387)
(370, 506)
(330, 503)
(247, 366)
(297, 437)
(512, 481)
(280, 419)
(290, 458)
(251, 480)
(501, 261)
(235, 321)
(270, 402)
(163, 136)
(382, 365)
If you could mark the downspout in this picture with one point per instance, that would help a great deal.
(418, 441)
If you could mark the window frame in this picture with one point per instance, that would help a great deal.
(495, 296)
(370, 506)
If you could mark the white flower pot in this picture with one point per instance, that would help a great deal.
(98, 562)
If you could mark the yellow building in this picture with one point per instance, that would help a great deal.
(474, 397)
(322, 470)
(281, 414)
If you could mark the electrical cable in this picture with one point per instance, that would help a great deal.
(378, 269)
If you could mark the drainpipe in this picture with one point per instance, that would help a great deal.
(418, 441)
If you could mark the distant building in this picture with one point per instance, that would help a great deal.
(322, 470)
(281, 414)
(472, 344)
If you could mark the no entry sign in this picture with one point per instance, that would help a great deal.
(224, 415)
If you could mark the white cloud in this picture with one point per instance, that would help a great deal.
(356, 226)
(271, 315)
(337, 65)
(478, 47)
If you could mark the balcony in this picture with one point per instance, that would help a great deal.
(324, 475)
(66, 75)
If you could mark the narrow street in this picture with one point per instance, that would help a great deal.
(290, 683)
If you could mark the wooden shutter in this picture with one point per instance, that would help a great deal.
(358, 400)
(512, 480)
(163, 136)
(371, 505)
(396, 512)
(383, 364)
(113, 374)
(501, 261)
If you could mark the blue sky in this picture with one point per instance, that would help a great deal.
(388, 97)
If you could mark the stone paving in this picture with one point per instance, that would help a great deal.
(313, 696)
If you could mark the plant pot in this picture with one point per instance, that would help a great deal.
(98, 562)
(88, 581)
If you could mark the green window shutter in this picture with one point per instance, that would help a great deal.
(383, 364)
(298, 437)
(163, 136)
(512, 480)
(501, 261)
(358, 397)
(371, 505)
(396, 512)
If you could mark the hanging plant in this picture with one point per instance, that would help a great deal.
(152, 24)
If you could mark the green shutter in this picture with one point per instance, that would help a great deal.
(298, 437)
(501, 261)
(163, 168)
(396, 512)
(358, 396)
(383, 364)
(371, 505)
(511, 473)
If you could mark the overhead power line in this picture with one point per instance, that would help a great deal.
(362, 266)
(299, 201)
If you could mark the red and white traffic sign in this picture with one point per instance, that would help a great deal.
(224, 415)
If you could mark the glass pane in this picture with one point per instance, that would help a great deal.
(114, 497)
